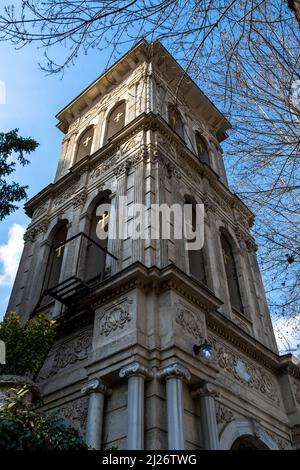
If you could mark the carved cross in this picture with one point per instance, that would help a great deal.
(59, 250)
(117, 117)
(86, 141)
(103, 218)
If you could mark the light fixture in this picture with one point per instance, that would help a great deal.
(205, 351)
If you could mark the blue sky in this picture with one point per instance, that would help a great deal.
(32, 100)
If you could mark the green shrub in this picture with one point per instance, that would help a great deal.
(26, 347)
(25, 429)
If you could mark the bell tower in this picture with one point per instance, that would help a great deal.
(152, 334)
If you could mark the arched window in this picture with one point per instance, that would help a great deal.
(202, 150)
(175, 120)
(231, 274)
(56, 257)
(116, 120)
(196, 258)
(96, 257)
(84, 144)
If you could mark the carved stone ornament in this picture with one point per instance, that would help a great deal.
(123, 168)
(188, 321)
(79, 199)
(32, 232)
(69, 353)
(206, 390)
(114, 319)
(95, 386)
(174, 371)
(75, 412)
(134, 369)
(224, 415)
(245, 372)
(103, 167)
(65, 195)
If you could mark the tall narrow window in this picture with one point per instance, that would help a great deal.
(202, 150)
(116, 120)
(85, 144)
(175, 120)
(196, 258)
(56, 257)
(96, 247)
(231, 274)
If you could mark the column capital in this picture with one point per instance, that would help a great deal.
(206, 390)
(95, 386)
(175, 370)
(136, 369)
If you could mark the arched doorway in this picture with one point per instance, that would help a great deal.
(242, 434)
(248, 443)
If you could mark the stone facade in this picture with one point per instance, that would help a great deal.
(125, 346)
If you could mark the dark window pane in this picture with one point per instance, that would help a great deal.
(55, 259)
(196, 259)
(116, 120)
(85, 144)
(202, 150)
(175, 121)
(231, 274)
(95, 264)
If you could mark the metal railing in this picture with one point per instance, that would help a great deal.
(77, 266)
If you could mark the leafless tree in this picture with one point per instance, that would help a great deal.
(244, 54)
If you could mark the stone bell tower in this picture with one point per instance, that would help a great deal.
(134, 313)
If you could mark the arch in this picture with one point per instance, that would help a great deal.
(195, 257)
(115, 119)
(202, 148)
(57, 237)
(175, 120)
(245, 429)
(95, 256)
(231, 272)
(84, 143)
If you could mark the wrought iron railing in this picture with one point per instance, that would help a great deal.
(76, 267)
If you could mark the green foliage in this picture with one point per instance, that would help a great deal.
(12, 145)
(25, 429)
(26, 347)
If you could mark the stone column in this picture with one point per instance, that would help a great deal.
(210, 430)
(174, 375)
(136, 374)
(97, 391)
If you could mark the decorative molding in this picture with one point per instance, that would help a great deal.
(79, 199)
(114, 319)
(206, 390)
(247, 373)
(99, 169)
(189, 323)
(76, 412)
(68, 354)
(122, 168)
(283, 444)
(224, 415)
(65, 195)
(95, 386)
(33, 231)
(40, 210)
(134, 369)
(172, 371)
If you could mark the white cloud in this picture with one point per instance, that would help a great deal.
(10, 254)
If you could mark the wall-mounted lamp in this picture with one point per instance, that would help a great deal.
(205, 351)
